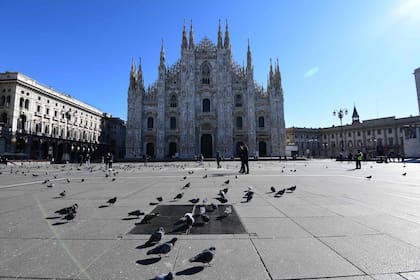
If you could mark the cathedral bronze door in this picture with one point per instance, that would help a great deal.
(206, 145)
(150, 150)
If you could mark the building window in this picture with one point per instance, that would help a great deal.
(368, 132)
(332, 136)
(27, 104)
(349, 134)
(47, 111)
(3, 118)
(261, 122)
(173, 123)
(39, 98)
(238, 100)
(239, 122)
(390, 141)
(206, 105)
(21, 102)
(8, 100)
(38, 109)
(389, 130)
(205, 74)
(358, 133)
(2, 100)
(173, 102)
(149, 123)
(379, 131)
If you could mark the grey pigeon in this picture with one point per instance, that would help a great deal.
(228, 210)
(194, 200)
(159, 198)
(273, 189)
(280, 192)
(292, 189)
(227, 182)
(225, 190)
(404, 174)
(112, 200)
(205, 176)
(149, 217)
(136, 213)
(63, 193)
(156, 236)
(68, 180)
(205, 218)
(179, 196)
(67, 210)
(187, 185)
(369, 177)
(50, 185)
(205, 257)
(168, 276)
(164, 248)
(70, 216)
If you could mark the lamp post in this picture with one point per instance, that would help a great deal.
(340, 113)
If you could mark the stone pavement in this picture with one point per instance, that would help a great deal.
(336, 224)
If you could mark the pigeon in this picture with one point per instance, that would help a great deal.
(205, 176)
(213, 206)
(67, 210)
(227, 182)
(194, 200)
(205, 218)
(205, 200)
(404, 174)
(50, 185)
(222, 194)
(225, 190)
(82, 180)
(168, 276)
(35, 175)
(205, 257)
(164, 248)
(149, 217)
(202, 210)
(159, 198)
(249, 196)
(273, 189)
(280, 192)
(228, 210)
(113, 179)
(46, 181)
(63, 193)
(369, 177)
(187, 185)
(179, 196)
(68, 180)
(188, 219)
(292, 189)
(156, 236)
(236, 176)
(137, 213)
(70, 216)
(106, 175)
(112, 200)
(185, 177)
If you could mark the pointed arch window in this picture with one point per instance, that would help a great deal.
(173, 123)
(238, 100)
(261, 122)
(3, 100)
(149, 123)
(206, 105)
(173, 101)
(239, 123)
(21, 102)
(27, 104)
(205, 74)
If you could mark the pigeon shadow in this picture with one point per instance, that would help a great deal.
(221, 200)
(351, 169)
(56, 197)
(190, 271)
(53, 217)
(130, 218)
(103, 206)
(182, 228)
(59, 223)
(149, 261)
(145, 245)
(277, 196)
(244, 201)
(153, 203)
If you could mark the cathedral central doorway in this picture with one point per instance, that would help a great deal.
(206, 145)
(150, 150)
(172, 149)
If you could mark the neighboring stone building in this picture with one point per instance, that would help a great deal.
(113, 136)
(374, 137)
(38, 122)
(204, 103)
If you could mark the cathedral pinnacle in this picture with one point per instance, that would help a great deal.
(227, 40)
(249, 58)
(140, 75)
(184, 38)
(162, 55)
(191, 36)
(133, 66)
(219, 37)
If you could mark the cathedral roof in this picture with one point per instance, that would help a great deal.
(206, 45)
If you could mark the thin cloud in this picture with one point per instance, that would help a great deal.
(407, 12)
(311, 72)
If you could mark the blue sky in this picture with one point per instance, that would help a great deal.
(333, 53)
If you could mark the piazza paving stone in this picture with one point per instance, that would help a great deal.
(302, 258)
(376, 254)
(274, 227)
(415, 275)
(387, 276)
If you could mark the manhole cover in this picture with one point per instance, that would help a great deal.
(170, 215)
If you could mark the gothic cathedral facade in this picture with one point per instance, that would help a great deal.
(204, 103)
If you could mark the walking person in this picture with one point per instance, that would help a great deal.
(218, 158)
(241, 157)
(245, 160)
(359, 158)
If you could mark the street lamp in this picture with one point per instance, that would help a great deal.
(340, 113)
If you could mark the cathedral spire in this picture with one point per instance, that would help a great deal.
(271, 75)
(133, 75)
(227, 40)
(184, 38)
(249, 58)
(191, 36)
(219, 37)
(140, 75)
(162, 55)
(133, 66)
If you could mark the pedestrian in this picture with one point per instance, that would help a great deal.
(241, 157)
(106, 160)
(246, 157)
(218, 158)
(359, 158)
(111, 160)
